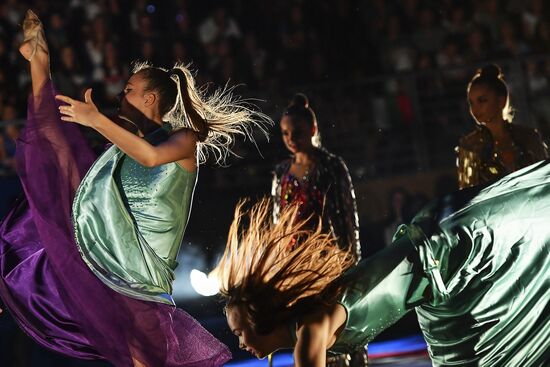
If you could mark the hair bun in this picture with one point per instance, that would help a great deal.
(300, 99)
(491, 71)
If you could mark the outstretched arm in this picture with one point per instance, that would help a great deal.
(179, 146)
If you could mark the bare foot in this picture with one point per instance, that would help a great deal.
(34, 41)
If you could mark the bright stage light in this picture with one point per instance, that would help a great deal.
(203, 284)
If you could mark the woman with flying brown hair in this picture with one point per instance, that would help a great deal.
(472, 264)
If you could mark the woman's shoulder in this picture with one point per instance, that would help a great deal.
(282, 167)
(327, 318)
(184, 131)
(523, 132)
(327, 159)
(323, 154)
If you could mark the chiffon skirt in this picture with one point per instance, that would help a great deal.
(46, 285)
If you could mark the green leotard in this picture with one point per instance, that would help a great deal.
(129, 222)
(475, 267)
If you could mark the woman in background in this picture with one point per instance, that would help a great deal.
(313, 178)
(320, 184)
(496, 147)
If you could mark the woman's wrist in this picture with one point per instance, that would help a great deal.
(99, 121)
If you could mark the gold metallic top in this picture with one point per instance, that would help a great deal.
(480, 161)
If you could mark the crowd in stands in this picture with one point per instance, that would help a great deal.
(267, 45)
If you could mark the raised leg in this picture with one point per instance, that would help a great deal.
(35, 49)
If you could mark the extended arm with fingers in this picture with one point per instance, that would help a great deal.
(180, 146)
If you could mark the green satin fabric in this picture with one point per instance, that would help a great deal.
(478, 278)
(490, 305)
(380, 290)
(129, 222)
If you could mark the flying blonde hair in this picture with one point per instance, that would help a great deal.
(278, 271)
(217, 116)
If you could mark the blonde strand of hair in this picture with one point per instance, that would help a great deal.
(225, 114)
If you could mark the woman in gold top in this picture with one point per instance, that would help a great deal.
(496, 147)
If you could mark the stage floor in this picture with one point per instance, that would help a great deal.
(409, 351)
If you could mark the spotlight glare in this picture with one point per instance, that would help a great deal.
(203, 284)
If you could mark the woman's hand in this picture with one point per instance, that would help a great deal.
(84, 113)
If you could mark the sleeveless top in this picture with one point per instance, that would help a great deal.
(129, 221)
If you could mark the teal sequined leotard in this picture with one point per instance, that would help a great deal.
(129, 222)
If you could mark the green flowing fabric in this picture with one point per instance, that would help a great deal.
(475, 267)
(129, 222)
(380, 290)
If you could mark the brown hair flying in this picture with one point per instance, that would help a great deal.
(275, 281)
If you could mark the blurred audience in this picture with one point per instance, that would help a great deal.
(398, 212)
(413, 55)
(8, 135)
(265, 44)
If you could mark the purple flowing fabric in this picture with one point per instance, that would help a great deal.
(46, 285)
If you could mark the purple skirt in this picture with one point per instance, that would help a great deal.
(46, 285)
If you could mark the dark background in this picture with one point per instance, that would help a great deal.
(387, 80)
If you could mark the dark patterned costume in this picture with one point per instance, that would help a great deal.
(326, 191)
